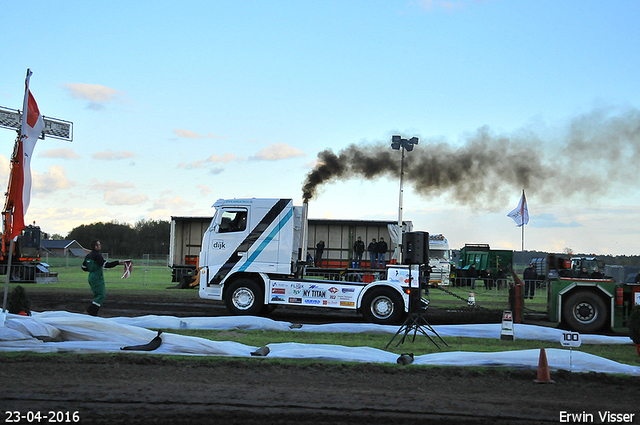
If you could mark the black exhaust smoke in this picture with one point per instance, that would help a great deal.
(593, 153)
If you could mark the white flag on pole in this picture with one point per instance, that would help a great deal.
(520, 214)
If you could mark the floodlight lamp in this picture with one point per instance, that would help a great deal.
(408, 147)
(413, 140)
(396, 142)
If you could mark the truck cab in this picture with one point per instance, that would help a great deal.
(251, 236)
(589, 263)
(253, 259)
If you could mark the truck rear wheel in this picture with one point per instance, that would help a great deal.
(244, 297)
(383, 306)
(585, 311)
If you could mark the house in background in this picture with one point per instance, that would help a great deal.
(63, 248)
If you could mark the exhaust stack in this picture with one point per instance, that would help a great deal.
(305, 231)
(302, 250)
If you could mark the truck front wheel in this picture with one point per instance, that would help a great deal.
(244, 297)
(585, 312)
(382, 306)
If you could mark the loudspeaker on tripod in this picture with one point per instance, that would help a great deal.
(415, 248)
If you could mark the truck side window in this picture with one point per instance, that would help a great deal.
(233, 221)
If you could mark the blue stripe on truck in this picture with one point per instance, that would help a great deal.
(266, 240)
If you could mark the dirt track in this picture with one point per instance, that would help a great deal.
(143, 388)
(134, 388)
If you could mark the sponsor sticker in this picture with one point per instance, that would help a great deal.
(314, 293)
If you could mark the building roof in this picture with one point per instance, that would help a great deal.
(60, 244)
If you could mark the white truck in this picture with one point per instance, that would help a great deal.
(253, 258)
(439, 260)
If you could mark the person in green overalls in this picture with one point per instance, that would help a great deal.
(95, 264)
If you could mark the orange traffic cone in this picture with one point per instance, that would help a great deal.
(544, 377)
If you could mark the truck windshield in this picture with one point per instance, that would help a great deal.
(439, 253)
(233, 221)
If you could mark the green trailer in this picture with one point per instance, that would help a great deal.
(485, 258)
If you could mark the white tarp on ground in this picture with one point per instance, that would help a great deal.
(58, 331)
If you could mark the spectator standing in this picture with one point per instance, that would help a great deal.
(501, 278)
(358, 249)
(488, 279)
(373, 253)
(319, 252)
(382, 251)
(529, 276)
(472, 275)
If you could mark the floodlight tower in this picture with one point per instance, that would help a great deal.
(398, 143)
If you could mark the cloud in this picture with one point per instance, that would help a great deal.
(109, 185)
(4, 168)
(311, 164)
(97, 95)
(547, 220)
(225, 158)
(122, 198)
(277, 151)
(52, 180)
(213, 159)
(111, 156)
(64, 153)
(62, 220)
(192, 165)
(188, 134)
(174, 203)
(204, 190)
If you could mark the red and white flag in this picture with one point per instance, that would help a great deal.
(521, 213)
(128, 268)
(20, 186)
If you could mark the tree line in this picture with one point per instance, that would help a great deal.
(125, 240)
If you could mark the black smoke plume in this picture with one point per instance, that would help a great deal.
(592, 154)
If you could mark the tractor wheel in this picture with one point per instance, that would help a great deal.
(585, 312)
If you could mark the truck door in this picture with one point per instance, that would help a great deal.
(227, 239)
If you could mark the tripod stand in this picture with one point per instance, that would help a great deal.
(415, 320)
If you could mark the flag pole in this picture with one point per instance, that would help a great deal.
(523, 223)
(6, 285)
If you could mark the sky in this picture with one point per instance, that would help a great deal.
(177, 104)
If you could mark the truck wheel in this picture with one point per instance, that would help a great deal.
(244, 297)
(585, 312)
(382, 306)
